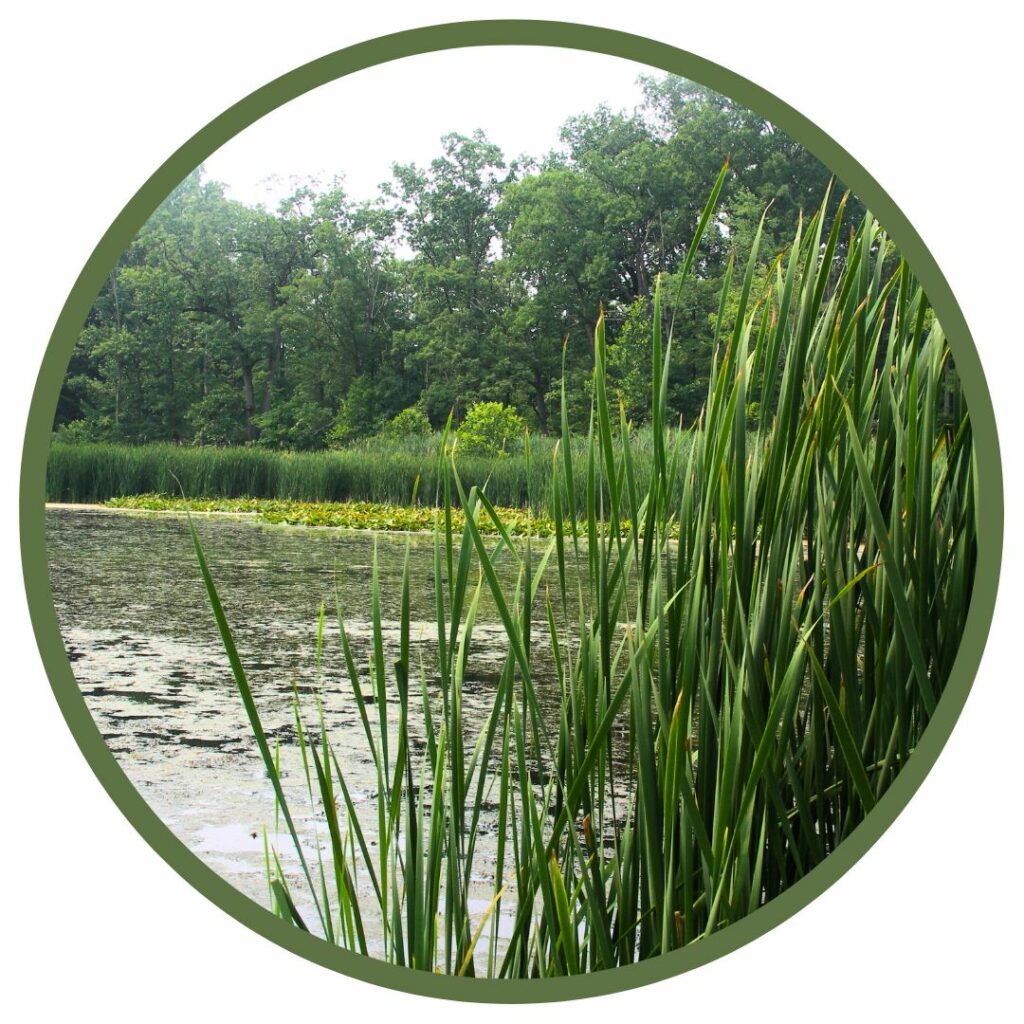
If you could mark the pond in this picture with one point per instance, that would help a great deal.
(147, 656)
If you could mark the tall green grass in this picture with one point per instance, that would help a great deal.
(377, 470)
(743, 667)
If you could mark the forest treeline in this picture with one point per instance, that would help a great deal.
(315, 324)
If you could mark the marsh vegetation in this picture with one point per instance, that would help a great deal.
(747, 644)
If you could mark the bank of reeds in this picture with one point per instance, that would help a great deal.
(376, 470)
(768, 673)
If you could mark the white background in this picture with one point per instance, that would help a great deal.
(96, 96)
(397, 112)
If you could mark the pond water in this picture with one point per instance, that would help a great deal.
(145, 651)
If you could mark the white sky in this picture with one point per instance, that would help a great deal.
(357, 126)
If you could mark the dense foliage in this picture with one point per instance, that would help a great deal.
(319, 322)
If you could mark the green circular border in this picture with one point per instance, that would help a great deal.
(130, 220)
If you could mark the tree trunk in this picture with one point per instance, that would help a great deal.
(540, 405)
(275, 369)
(249, 398)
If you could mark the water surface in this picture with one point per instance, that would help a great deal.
(145, 651)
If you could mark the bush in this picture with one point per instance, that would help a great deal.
(81, 432)
(490, 428)
(218, 418)
(357, 416)
(411, 422)
(294, 425)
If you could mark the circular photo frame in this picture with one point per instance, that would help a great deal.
(880, 804)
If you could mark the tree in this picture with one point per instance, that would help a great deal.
(447, 215)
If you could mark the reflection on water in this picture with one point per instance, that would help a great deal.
(146, 653)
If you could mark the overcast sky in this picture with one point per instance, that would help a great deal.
(358, 126)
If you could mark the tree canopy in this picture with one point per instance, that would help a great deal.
(474, 279)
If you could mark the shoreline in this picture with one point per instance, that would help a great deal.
(258, 516)
(91, 506)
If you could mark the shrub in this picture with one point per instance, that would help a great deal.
(218, 418)
(294, 425)
(80, 432)
(490, 428)
(358, 415)
(411, 422)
